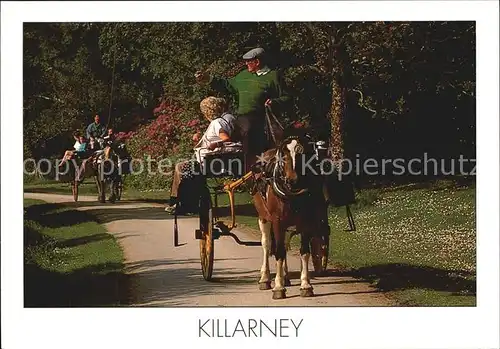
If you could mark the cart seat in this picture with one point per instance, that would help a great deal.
(226, 161)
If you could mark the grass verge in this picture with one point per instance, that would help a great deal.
(89, 188)
(417, 243)
(69, 259)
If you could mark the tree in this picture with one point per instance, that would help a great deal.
(373, 88)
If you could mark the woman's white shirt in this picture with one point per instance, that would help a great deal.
(211, 134)
(225, 122)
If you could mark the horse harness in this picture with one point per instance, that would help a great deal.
(272, 176)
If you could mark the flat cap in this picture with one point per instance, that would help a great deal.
(254, 53)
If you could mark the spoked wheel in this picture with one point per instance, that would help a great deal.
(112, 197)
(115, 190)
(74, 182)
(74, 189)
(119, 189)
(207, 241)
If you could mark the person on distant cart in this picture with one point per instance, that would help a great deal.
(80, 148)
(95, 131)
(219, 131)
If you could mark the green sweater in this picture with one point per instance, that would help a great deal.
(251, 91)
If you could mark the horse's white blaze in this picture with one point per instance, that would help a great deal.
(304, 273)
(279, 282)
(291, 148)
(265, 229)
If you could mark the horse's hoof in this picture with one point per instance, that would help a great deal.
(306, 292)
(288, 283)
(279, 294)
(266, 285)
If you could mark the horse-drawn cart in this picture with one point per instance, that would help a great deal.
(217, 167)
(107, 167)
(221, 173)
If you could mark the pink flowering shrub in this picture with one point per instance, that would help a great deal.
(124, 136)
(193, 123)
(169, 134)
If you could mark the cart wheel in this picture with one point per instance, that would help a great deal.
(114, 191)
(119, 190)
(102, 198)
(74, 189)
(207, 242)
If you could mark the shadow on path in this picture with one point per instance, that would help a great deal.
(392, 277)
(95, 286)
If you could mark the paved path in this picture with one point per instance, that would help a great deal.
(164, 275)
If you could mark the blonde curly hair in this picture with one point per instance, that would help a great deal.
(212, 107)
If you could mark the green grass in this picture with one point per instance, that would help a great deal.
(70, 260)
(417, 243)
(89, 188)
(421, 227)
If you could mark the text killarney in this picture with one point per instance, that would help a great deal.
(220, 328)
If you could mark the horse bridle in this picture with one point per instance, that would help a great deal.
(279, 181)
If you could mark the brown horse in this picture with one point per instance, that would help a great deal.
(291, 194)
(104, 168)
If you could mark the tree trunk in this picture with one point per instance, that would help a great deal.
(332, 58)
(336, 120)
(341, 77)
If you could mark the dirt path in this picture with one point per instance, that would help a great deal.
(164, 275)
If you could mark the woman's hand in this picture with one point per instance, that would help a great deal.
(197, 136)
(213, 145)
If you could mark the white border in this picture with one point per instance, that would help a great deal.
(330, 327)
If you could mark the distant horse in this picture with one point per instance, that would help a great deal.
(108, 174)
(105, 167)
(124, 166)
(292, 195)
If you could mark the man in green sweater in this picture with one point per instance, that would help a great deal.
(254, 88)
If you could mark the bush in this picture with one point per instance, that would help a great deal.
(167, 138)
(164, 136)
